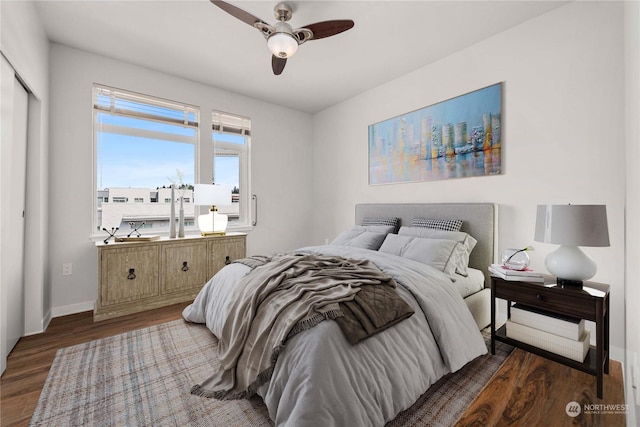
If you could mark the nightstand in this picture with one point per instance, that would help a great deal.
(589, 301)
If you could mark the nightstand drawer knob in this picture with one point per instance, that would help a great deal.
(540, 298)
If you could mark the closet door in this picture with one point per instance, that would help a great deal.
(13, 183)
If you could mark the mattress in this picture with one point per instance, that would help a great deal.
(471, 284)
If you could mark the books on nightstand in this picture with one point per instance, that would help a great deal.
(564, 326)
(571, 349)
(526, 275)
(558, 334)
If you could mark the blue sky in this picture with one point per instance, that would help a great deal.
(137, 162)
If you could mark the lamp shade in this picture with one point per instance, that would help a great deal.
(571, 226)
(209, 194)
(574, 225)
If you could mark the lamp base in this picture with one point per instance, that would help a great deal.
(569, 283)
(569, 263)
(213, 233)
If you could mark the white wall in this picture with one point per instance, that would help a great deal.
(563, 133)
(632, 295)
(25, 45)
(281, 164)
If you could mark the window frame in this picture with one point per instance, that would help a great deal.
(237, 125)
(204, 155)
(151, 100)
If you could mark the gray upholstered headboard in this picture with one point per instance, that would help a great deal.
(480, 220)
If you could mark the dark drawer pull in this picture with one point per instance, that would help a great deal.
(227, 261)
(540, 297)
(132, 274)
(185, 267)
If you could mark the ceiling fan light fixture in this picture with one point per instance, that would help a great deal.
(282, 45)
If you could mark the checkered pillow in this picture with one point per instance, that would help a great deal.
(438, 224)
(390, 221)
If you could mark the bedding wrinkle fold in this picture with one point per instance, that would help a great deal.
(285, 295)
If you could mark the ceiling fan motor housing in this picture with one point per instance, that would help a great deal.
(282, 12)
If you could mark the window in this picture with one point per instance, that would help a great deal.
(231, 135)
(142, 145)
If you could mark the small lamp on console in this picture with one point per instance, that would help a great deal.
(213, 222)
(571, 226)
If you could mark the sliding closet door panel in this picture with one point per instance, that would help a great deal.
(15, 297)
(13, 157)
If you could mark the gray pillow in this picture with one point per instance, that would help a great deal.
(459, 236)
(363, 236)
(439, 253)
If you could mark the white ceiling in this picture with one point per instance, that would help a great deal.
(198, 41)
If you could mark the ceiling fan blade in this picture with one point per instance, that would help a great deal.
(237, 12)
(278, 64)
(329, 28)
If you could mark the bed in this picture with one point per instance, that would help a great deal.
(305, 368)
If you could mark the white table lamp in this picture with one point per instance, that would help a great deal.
(213, 222)
(571, 226)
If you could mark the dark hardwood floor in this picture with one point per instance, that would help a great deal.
(529, 390)
(526, 391)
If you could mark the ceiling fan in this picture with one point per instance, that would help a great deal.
(282, 39)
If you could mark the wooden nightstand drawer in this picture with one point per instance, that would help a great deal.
(572, 303)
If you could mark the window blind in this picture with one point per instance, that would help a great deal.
(130, 104)
(231, 123)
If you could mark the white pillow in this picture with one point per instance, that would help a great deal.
(439, 253)
(459, 236)
(363, 236)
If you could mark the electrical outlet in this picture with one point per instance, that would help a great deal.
(67, 269)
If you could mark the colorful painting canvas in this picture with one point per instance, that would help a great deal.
(456, 138)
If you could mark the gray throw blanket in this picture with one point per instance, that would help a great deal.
(287, 294)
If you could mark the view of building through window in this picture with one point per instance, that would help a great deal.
(144, 145)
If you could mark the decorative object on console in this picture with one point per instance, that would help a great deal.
(181, 218)
(111, 234)
(172, 216)
(212, 195)
(135, 228)
(516, 259)
(571, 226)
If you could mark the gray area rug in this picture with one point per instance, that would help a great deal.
(143, 378)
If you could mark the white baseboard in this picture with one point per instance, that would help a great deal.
(43, 326)
(73, 308)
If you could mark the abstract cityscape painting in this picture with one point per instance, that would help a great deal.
(457, 138)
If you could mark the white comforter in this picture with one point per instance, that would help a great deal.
(322, 380)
